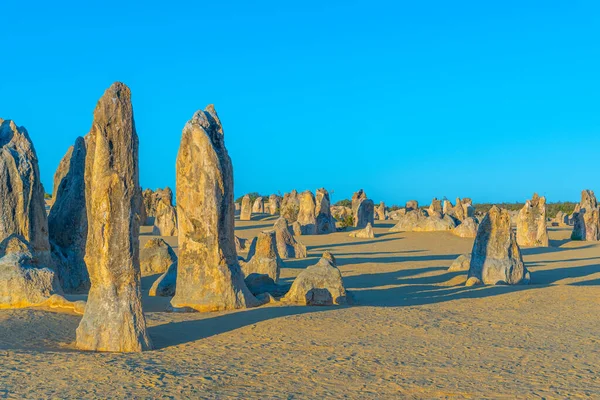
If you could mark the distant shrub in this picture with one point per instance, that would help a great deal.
(393, 208)
(551, 208)
(344, 203)
(253, 196)
(47, 196)
(346, 222)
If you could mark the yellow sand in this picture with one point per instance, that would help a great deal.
(415, 332)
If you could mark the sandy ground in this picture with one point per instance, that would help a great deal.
(414, 332)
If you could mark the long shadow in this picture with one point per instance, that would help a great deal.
(395, 277)
(176, 333)
(300, 263)
(377, 252)
(593, 282)
(554, 275)
(415, 295)
(543, 262)
(147, 281)
(542, 250)
(243, 228)
(328, 246)
(396, 259)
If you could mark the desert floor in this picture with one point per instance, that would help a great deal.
(414, 332)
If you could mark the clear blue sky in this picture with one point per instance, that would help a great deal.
(491, 100)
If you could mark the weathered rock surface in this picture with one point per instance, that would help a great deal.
(357, 198)
(380, 211)
(586, 218)
(63, 168)
(274, 204)
(290, 206)
(496, 257)
(318, 285)
(467, 229)
(531, 223)
(259, 206)
(435, 207)
(23, 283)
(263, 257)
(165, 284)
(462, 263)
(246, 211)
(156, 256)
(396, 215)
(561, 218)
(67, 221)
(22, 206)
(325, 223)
(287, 245)
(113, 318)
(306, 213)
(165, 220)
(418, 221)
(364, 214)
(297, 229)
(209, 277)
(365, 233)
(412, 205)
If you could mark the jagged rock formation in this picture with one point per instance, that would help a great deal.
(259, 206)
(318, 285)
(586, 218)
(412, 205)
(357, 198)
(496, 257)
(23, 283)
(290, 206)
(324, 220)
(467, 229)
(209, 277)
(306, 214)
(398, 214)
(22, 207)
(166, 284)
(531, 223)
(435, 207)
(165, 220)
(246, 211)
(561, 219)
(418, 221)
(380, 211)
(263, 257)
(67, 221)
(366, 233)
(287, 245)
(113, 318)
(61, 171)
(156, 257)
(364, 214)
(274, 204)
(462, 263)
(296, 229)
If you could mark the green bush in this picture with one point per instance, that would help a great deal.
(344, 203)
(346, 222)
(47, 196)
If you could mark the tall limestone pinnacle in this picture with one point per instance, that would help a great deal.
(209, 277)
(113, 318)
(22, 208)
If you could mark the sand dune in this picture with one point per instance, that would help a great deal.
(415, 331)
